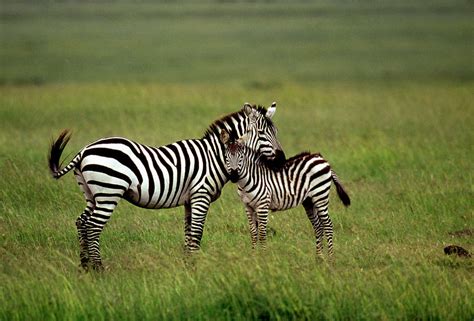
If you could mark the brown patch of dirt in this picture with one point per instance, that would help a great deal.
(456, 250)
(462, 233)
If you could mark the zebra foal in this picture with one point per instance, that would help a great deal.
(304, 179)
(188, 172)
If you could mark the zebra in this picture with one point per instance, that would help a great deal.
(188, 172)
(304, 179)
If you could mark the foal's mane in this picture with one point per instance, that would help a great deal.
(289, 161)
(296, 157)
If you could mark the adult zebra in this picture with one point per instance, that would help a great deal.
(188, 172)
(304, 179)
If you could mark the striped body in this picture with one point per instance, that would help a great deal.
(304, 180)
(308, 176)
(149, 177)
(188, 172)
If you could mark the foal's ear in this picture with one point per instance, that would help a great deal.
(271, 110)
(244, 138)
(224, 136)
(247, 109)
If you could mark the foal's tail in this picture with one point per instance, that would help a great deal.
(341, 192)
(55, 152)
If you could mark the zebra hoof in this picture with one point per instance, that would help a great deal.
(83, 267)
(98, 267)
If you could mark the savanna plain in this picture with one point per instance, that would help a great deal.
(383, 90)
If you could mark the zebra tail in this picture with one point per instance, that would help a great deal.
(55, 152)
(341, 192)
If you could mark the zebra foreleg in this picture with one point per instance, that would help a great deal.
(252, 225)
(200, 203)
(262, 220)
(187, 225)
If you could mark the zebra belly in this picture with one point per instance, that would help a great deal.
(289, 196)
(157, 198)
(284, 203)
(167, 195)
(251, 199)
(134, 197)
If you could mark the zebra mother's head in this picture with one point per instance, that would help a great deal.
(261, 134)
(256, 123)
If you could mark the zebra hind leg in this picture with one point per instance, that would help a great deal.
(82, 236)
(105, 205)
(327, 226)
(311, 212)
(82, 220)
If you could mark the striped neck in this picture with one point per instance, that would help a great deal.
(236, 124)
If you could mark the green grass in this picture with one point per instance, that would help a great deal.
(387, 100)
(408, 171)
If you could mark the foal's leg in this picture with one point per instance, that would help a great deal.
(327, 226)
(262, 220)
(252, 225)
(313, 217)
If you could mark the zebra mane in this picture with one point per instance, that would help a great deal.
(262, 110)
(217, 125)
(292, 159)
(261, 160)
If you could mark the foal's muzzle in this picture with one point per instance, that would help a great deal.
(234, 176)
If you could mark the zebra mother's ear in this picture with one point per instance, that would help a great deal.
(271, 110)
(224, 136)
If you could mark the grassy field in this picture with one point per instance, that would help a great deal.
(384, 91)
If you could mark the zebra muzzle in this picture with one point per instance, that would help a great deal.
(278, 161)
(234, 176)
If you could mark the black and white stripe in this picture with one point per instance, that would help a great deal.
(189, 172)
(304, 180)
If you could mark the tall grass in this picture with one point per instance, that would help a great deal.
(408, 170)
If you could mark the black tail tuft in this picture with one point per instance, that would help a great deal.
(343, 195)
(341, 192)
(56, 150)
